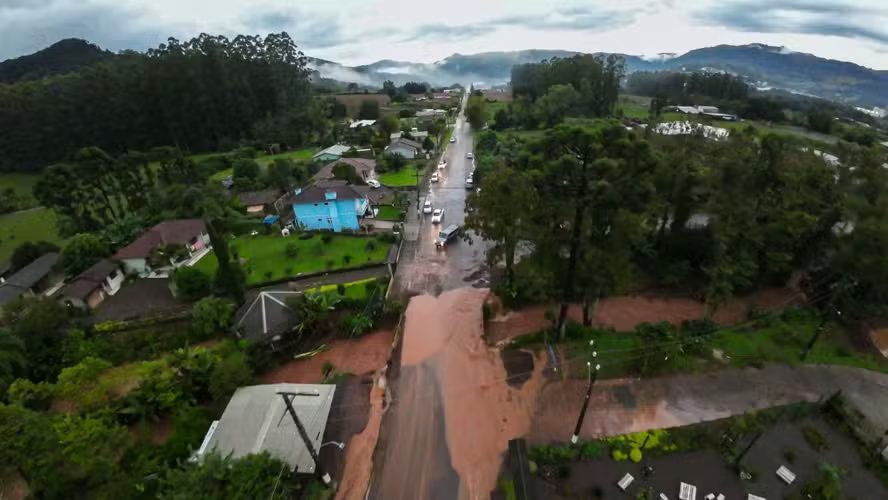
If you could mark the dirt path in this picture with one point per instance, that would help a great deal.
(625, 313)
(359, 356)
(620, 406)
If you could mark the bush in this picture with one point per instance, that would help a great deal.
(815, 439)
(330, 264)
(326, 238)
(32, 396)
(370, 246)
(268, 274)
(306, 236)
(552, 454)
(210, 316)
(288, 270)
(346, 259)
(292, 250)
(340, 289)
(191, 283)
(635, 455)
(231, 373)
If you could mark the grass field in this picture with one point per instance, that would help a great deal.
(22, 184)
(31, 225)
(404, 177)
(776, 340)
(266, 256)
(356, 290)
(299, 154)
(388, 212)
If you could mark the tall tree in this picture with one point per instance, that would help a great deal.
(229, 279)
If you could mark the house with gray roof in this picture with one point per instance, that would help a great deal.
(404, 147)
(266, 318)
(332, 153)
(91, 287)
(256, 420)
(33, 279)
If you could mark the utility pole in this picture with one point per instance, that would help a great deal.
(288, 400)
(592, 378)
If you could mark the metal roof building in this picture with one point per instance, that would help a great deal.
(256, 420)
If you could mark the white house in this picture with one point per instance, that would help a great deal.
(405, 148)
(91, 287)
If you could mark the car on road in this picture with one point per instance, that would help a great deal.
(373, 183)
(469, 182)
(442, 164)
(434, 177)
(469, 155)
(437, 216)
(453, 139)
(446, 235)
(427, 207)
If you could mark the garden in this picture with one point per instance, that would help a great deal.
(37, 224)
(273, 257)
(733, 456)
(402, 177)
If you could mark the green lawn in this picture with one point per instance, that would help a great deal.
(356, 290)
(218, 176)
(404, 177)
(31, 225)
(388, 212)
(22, 184)
(775, 340)
(299, 154)
(268, 254)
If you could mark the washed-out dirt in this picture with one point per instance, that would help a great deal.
(360, 356)
(625, 313)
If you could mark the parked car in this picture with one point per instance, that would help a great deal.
(469, 182)
(437, 216)
(469, 155)
(442, 164)
(374, 183)
(427, 207)
(446, 235)
(434, 177)
(453, 139)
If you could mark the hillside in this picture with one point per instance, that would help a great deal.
(766, 65)
(61, 57)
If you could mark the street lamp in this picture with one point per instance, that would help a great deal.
(593, 375)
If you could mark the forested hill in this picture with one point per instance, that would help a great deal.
(61, 57)
(203, 94)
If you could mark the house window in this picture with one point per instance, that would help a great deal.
(315, 204)
(320, 219)
(326, 204)
(113, 275)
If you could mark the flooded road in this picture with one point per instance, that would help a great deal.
(454, 410)
(423, 268)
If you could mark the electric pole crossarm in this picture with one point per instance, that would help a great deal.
(288, 401)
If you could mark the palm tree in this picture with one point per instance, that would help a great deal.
(12, 357)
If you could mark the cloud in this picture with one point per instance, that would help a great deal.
(25, 30)
(566, 19)
(311, 31)
(828, 18)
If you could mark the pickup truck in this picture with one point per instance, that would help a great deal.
(446, 235)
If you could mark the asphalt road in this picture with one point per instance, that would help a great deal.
(413, 460)
(423, 268)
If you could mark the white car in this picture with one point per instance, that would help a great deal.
(443, 164)
(427, 207)
(453, 139)
(374, 183)
(434, 177)
(469, 155)
(437, 216)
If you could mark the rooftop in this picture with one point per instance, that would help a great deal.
(264, 197)
(318, 193)
(336, 149)
(89, 280)
(26, 277)
(256, 420)
(363, 166)
(361, 123)
(168, 232)
(405, 142)
(266, 316)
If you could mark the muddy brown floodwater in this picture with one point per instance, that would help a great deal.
(448, 371)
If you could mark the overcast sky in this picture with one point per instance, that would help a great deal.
(362, 31)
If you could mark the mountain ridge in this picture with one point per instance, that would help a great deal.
(768, 65)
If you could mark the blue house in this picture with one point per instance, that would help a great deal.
(329, 207)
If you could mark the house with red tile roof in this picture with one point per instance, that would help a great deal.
(164, 247)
